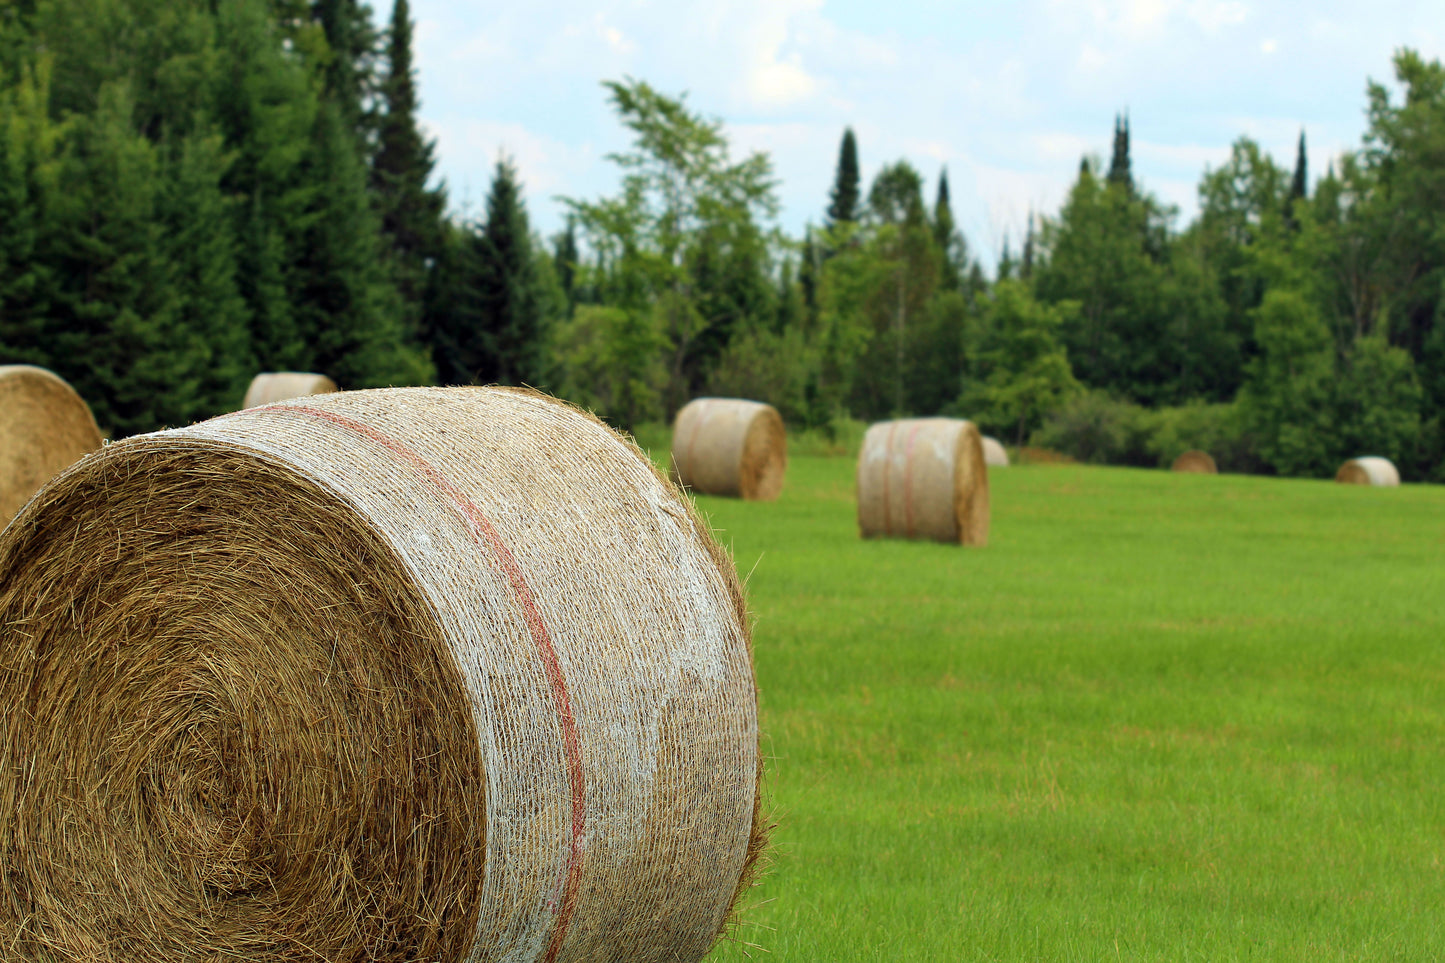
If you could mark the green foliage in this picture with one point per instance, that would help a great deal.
(1097, 428)
(684, 234)
(845, 195)
(610, 362)
(1286, 399)
(1021, 371)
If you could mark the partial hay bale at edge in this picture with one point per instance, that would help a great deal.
(994, 453)
(730, 446)
(1369, 470)
(270, 387)
(923, 478)
(368, 677)
(44, 427)
(1195, 462)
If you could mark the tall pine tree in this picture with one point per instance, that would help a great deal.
(1120, 170)
(410, 212)
(845, 194)
(507, 286)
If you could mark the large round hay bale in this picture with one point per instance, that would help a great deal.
(44, 427)
(1369, 470)
(923, 478)
(1195, 462)
(728, 446)
(406, 674)
(994, 453)
(274, 386)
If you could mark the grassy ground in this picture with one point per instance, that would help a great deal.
(1160, 717)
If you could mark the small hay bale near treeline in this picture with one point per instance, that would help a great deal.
(994, 453)
(44, 427)
(923, 478)
(406, 674)
(273, 386)
(1369, 470)
(1195, 462)
(730, 446)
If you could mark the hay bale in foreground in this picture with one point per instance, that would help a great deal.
(44, 427)
(994, 453)
(407, 674)
(923, 478)
(1369, 470)
(1195, 462)
(728, 446)
(274, 386)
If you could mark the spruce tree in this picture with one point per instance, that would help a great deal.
(947, 238)
(349, 70)
(564, 258)
(410, 212)
(845, 193)
(1299, 187)
(506, 286)
(1026, 266)
(1120, 171)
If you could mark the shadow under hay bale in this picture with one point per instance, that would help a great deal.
(923, 478)
(728, 446)
(1369, 470)
(406, 674)
(994, 453)
(44, 427)
(1195, 462)
(274, 386)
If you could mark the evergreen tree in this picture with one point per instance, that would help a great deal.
(1299, 186)
(565, 258)
(506, 285)
(410, 212)
(349, 68)
(947, 238)
(1026, 266)
(347, 309)
(845, 195)
(1120, 170)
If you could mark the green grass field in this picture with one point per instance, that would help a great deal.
(1159, 717)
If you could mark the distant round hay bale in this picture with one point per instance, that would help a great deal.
(994, 453)
(1195, 462)
(923, 478)
(274, 386)
(406, 674)
(44, 427)
(1369, 470)
(728, 446)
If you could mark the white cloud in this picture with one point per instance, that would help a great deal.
(615, 39)
(1268, 47)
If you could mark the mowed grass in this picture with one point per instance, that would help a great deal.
(1159, 717)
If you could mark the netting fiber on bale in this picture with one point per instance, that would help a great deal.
(44, 427)
(1195, 462)
(994, 453)
(410, 674)
(923, 478)
(274, 386)
(728, 446)
(1369, 470)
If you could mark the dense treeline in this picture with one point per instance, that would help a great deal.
(195, 190)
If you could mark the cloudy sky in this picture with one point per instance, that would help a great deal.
(1007, 95)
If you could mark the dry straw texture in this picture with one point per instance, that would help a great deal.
(407, 674)
(44, 427)
(1195, 462)
(269, 388)
(923, 478)
(994, 453)
(1370, 470)
(727, 446)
